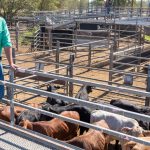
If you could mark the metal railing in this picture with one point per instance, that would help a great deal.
(104, 107)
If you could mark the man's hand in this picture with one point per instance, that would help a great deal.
(13, 67)
(8, 52)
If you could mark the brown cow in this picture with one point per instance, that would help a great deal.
(131, 145)
(5, 111)
(55, 128)
(137, 132)
(93, 139)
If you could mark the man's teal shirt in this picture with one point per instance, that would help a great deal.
(4, 35)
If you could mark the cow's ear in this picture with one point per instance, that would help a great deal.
(130, 145)
(47, 87)
(126, 129)
(57, 87)
(146, 133)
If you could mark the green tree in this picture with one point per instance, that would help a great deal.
(11, 8)
(49, 5)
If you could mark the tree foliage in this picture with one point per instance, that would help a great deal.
(10, 8)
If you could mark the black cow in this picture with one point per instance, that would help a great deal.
(145, 68)
(53, 101)
(83, 111)
(83, 93)
(32, 116)
(125, 105)
(131, 107)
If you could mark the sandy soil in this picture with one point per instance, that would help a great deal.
(98, 57)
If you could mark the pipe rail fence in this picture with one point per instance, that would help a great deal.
(92, 105)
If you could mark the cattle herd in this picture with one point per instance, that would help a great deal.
(88, 139)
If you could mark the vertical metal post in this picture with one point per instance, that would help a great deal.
(89, 56)
(50, 39)
(109, 34)
(67, 83)
(75, 41)
(147, 100)
(111, 63)
(14, 55)
(118, 43)
(72, 57)
(139, 51)
(11, 96)
(44, 44)
(57, 56)
(17, 36)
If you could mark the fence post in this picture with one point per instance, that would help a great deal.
(111, 63)
(67, 83)
(89, 57)
(17, 36)
(11, 96)
(14, 55)
(57, 56)
(147, 100)
(70, 69)
(50, 38)
(75, 38)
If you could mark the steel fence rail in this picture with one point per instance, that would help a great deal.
(93, 105)
(77, 45)
(84, 82)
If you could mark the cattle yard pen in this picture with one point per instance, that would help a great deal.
(85, 49)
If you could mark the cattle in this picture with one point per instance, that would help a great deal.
(83, 111)
(145, 68)
(125, 105)
(84, 92)
(115, 122)
(136, 131)
(53, 101)
(32, 116)
(55, 128)
(93, 139)
(5, 112)
(131, 145)
(131, 107)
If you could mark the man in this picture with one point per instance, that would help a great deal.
(108, 5)
(5, 43)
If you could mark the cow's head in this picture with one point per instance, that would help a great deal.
(136, 131)
(89, 89)
(52, 88)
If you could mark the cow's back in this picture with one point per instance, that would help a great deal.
(136, 146)
(114, 121)
(65, 130)
(92, 140)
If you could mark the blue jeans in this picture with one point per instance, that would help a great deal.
(1, 78)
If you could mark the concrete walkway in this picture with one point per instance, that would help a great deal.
(14, 138)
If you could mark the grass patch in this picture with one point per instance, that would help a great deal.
(147, 37)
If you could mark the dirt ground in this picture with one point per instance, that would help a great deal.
(99, 56)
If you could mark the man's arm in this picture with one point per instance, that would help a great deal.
(8, 52)
(6, 44)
